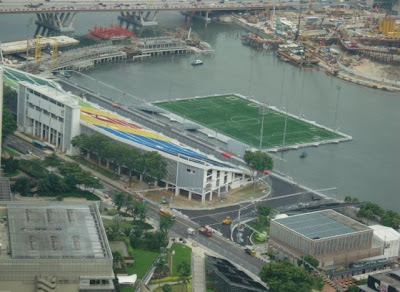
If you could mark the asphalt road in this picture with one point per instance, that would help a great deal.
(23, 146)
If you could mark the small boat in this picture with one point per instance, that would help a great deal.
(303, 154)
(197, 62)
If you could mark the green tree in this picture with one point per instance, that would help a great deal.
(285, 277)
(9, 124)
(183, 272)
(306, 261)
(264, 210)
(154, 241)
(139, 210)
(10, 98)
(10, 165)
(23, 185)
(135, 237)
(391, 219)
(353, 289)
(156, 167)
(51, 160)
(166, 222)
(166, 288)
(348, 199)
(119, 200)
(161, 268)
(258, 160)
(52, 184)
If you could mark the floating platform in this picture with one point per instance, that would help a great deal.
(20, 46)
(240, 118)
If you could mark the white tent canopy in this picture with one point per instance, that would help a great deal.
(127, 280)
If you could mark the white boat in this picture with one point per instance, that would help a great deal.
(197, 62)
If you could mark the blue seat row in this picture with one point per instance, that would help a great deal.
(164, 146)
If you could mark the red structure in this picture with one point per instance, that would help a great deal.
(110, 33)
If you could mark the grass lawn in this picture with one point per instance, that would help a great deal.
(95, 167)
(240, 119)
(10, 151)
(143, 261)
(127, 289)
(182, 254)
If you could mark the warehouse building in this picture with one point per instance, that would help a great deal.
(388, 240)
(54, 247)
(327, 235)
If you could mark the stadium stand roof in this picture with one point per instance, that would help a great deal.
(12, 76)
(322, 224)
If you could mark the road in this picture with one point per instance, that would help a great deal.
(23, 146)
(11, 6)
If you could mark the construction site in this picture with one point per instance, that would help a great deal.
(112, 44)
(356, 43)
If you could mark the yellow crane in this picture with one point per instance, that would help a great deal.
(54, 46)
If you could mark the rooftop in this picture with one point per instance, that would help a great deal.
(53, 93)
(322, 224)
(385, 233)
(49, 231)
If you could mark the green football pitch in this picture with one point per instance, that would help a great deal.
(241, 119)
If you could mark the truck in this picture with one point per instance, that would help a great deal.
(191, 231)
(164, 211)
(205, 231)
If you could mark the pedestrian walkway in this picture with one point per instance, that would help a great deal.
(198, 270)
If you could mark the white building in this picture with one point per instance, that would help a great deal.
(388, 239)
(48, 114)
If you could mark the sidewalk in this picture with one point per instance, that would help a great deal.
(198, 270)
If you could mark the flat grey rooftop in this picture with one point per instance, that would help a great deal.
(321, 224)
(51, 231)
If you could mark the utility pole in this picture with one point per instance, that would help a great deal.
(27, 44)
(337, 106)
(262, 127)
(301, 95)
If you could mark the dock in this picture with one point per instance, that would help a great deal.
(21, 46)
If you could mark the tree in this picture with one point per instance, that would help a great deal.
(258, 160)
(119, 200)
(306, 261)
(10, 98)
(136, 236)
(348, 199)
(9, 124)
(51, 160)
(10, 165)
(154, 241)
(166, 222)
(285, 277)
(184, 272)
(52, 183)
(264, 210)
(156, 167)
(166, 288)
(391, 219)
(139, 210)
(23, 185)
(353, 289)
(161, 268)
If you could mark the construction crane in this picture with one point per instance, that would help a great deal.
(53, 52)
(184, 28)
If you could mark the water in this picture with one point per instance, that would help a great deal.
(365, 167)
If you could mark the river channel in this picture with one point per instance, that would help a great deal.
(366, 167)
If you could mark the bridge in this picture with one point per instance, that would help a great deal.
(59, 15)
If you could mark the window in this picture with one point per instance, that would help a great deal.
(27, 96)
(53, 116)
(61, 119)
